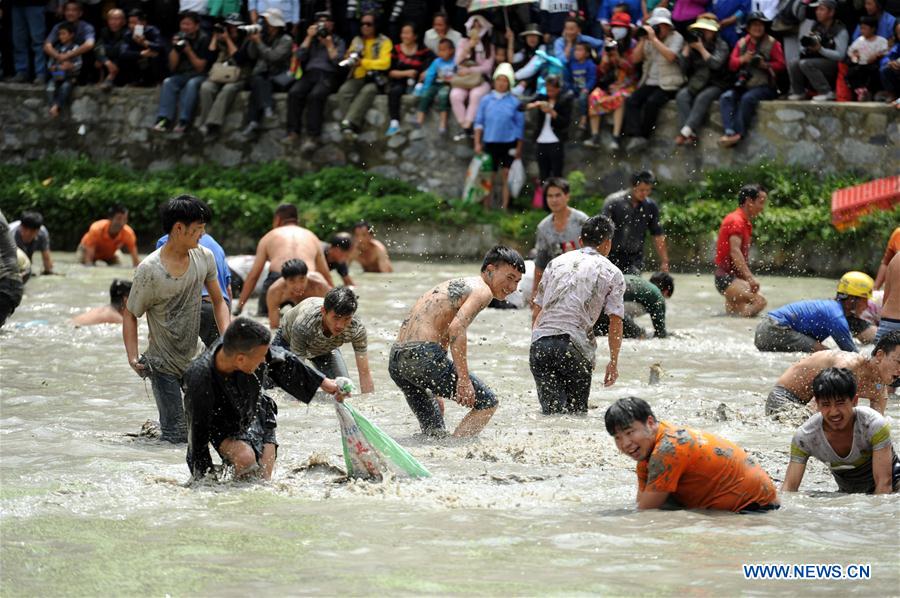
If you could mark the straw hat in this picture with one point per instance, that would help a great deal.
(707, 21)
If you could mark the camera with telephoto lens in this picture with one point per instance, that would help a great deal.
(351, 61)
(180, 41)
(690, 36)
(757, 60)
(250, 29)
(810, 41)
(641, 32)
(322, 30)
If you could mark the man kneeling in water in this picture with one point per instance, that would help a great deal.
(873, 374)
(224, 401)
(110, 313)
(418, 361)
(696, 469)
(855, 442)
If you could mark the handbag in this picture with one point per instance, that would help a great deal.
(224, 72)
(470, 80)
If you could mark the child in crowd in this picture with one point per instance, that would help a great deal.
(63, 73)
(864, 55)
(582, 77)
(436, 86)
(616, 81)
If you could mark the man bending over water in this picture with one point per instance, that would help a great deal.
(110, 313)
(418, 361)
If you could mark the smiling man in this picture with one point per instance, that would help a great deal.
(855, 442)
(681, 467)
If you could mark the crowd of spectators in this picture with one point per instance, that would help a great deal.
(565, 64)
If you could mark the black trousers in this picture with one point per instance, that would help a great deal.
(550, 158)
(642, 109)
(313, 89)
(864, 75)
(561, 374)
(395, 95)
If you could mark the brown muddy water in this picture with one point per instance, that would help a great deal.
(537, 505)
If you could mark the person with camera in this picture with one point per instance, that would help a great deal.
(141, 61)
(227, 76)
(270, 47)
(319, 55)
(368, 58)
(823, 45)
(288, 9)
(657, 49)
(705, 63)
(757, 58)
(187, 63)
(617, 79)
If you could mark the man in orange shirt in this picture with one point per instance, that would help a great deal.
(687, 468)
(106, 237)
(893, 248)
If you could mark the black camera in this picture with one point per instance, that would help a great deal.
(322, 30)
(810, 41)
(690, 36)
(757, 60)
(641, 32)
(218, 28)
(743, 77)
(180, 41)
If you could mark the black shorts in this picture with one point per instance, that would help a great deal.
(723, 282)
(500, 155)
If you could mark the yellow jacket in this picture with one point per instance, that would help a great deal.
(370, 61)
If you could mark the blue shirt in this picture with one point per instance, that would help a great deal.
(885, 27)
(501, 119)
(438, 66)
(582, 75)
(559, 46)
(819, 318)
(724, 9)
(222, 269)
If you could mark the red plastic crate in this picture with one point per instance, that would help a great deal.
(851, 203)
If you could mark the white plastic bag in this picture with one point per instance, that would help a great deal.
(516, 178)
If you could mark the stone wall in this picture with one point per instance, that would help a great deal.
(115, 126)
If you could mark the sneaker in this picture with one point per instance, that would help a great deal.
(592, 141)
(862, 94)
(161, 126)
(824, 97)
(180, 128)
(729, 140)
(796, 97)
(250, 129)
(636, 144)
(106, 85)
(613, 144)
(268, 113)
(442, 131)
(393, 129)
(348, 132)
(203, 130)
(309, 145)
(19, 78)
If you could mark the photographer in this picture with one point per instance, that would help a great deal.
(823, 44)
(756, 59)
(187, 63)
(227, 76)
(705, 64)
(319, 55)
(143, 56)
(271, 49)
(368, 58)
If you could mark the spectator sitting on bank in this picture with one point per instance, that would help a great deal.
(338, 254)
(408, 63)
(30, 235)
(757, 58)
(553, 112)
(187, 63)
(662, 77)
(65, 65)
(217, 93)
(532, 42)
(564, 46)
(616, 80)
(288, 10)
(823, 42)
(105, 238)
(884, 20)
(142, 60)
(890, 69)
(111, 46)
(28, 34)
(475, 61)
(500, 128)
(84, 39)
(290, 289)
(583, 77)
(705, 60)
(318, 55)
(111, 313)
(369, 58)
(441, 30)
(730, 14)
(864, 56)
(270, 51)
(436, 85)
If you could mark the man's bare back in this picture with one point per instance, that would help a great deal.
(431, 316)
(798, 378)
(291, 242)
(373, 257)
(891, 307)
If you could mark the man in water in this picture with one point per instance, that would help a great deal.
(226, 406)
(106, 237)
(855, 442)
(872, 375)
(892, 249)
(890, 307)
(338, 254)
(803, 325)
(317, 328)
(111, 313)
(733, 278)
(576, 287)
(418, 361)
(642, 297)
(287, 240)
(11, 284)
(371, 253)
(290, 289)
(167, 287)
(634, 213)
(30, 235)
(687, 468)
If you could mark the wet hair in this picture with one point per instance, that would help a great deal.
(189, 15)
(869, 21)
(363, 224)
(643, 176)
(294, 267)
(287, 212)
(664, 282)
(342, 241)
(185, 209)
(750, 191)
(342, 301)
(626, 411)
(67, 27)
(118, 292)
(31, 220)
(834, 383)
(117, 208)
(596, 230)
(447, 42)
(887, 343)
(243, 335)
(558, 182)
(500, 254)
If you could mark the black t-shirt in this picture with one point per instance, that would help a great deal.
(632, 223)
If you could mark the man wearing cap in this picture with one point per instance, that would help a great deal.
(802, 326)
(288, 9)
(662, 76)
(757, 58)
(823, 45)
(271, 49)
(319, 55)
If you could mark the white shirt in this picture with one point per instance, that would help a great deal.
(547, 135)
(868, 48)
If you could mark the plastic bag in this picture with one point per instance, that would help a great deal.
(479, 179)
(516, 179)
(369, 452)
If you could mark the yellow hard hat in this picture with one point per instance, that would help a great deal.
(856, 284)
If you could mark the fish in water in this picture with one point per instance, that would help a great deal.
(656, 373)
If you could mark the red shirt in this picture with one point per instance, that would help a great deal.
(776, 56)
(735, 223)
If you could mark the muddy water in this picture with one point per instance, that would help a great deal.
(535, 505)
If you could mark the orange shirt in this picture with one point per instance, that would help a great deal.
(893, 246)
(703, 471)
(104, 246)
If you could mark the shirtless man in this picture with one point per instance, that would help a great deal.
(286, 240)
(873, 374)
(110, 313)
(418, 361)
(291, 289)
(371, 254)
(890, 306)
